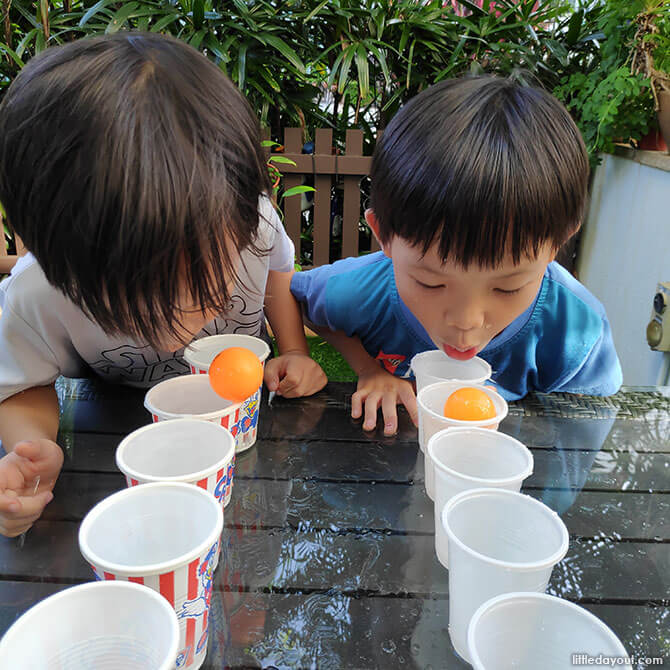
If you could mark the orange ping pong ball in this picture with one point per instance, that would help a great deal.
(469, 404)
(236, 373)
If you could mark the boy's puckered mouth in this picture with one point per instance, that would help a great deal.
(459, 354)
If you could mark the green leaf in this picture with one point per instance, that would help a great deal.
(198, 13)
(363, 68)
(164, 22)
(242, 65)
(121, 16)
(348, 56)
(574, 26)
(285, 50)
(316, 10)
(93, 11)
(281, 159)
(298, 189)
(11, 53)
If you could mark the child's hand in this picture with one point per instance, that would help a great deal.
(376, 388)
(294, 374)
(23, 496)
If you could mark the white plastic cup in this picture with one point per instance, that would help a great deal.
(430, 367)
(499, 542)
(105, 625)
(200, 354)
(430, 401)
(192, 451)
(470, 458)
(166, 536)
(526, 631)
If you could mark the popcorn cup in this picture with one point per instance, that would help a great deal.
(430, 402)
(525, 631)
(166, 536)
(499, 542)
(192, 451)
(95, 625)
(470, 458)
(200, 354)
(434, 366)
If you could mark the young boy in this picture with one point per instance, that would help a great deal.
(131, 168)
(476, 184)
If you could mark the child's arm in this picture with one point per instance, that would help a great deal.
(28, 428)
(376, 387)
(293, 373)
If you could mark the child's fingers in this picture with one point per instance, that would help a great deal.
(390, 414)
(271, 376)
(357, 404)
(20, 508)
(408, 399)
(372, 403)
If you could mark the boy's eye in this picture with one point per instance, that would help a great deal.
(428, 286)
(512, 292)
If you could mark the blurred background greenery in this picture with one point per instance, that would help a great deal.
(353, 63)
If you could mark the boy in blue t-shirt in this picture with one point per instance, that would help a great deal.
(476, 184)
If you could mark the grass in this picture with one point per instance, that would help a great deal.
(335, 367)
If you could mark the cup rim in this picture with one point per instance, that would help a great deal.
(461, 423)
(499, 481)
(151, 568)
(192, 350)
(532, 595)
(548, 562)
(157, 598)
(162, 425)
(186, 379)
(485, 365)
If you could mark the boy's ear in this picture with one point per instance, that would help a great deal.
(372, 222)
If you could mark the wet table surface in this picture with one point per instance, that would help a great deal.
(328, 557)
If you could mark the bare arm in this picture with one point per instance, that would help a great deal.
(30, 415)
(283, 313)
(376, 387)
(293, 373)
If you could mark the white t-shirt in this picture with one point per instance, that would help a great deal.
(44, 335)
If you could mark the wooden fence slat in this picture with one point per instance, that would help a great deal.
(352, 196)
(322, 184)
(292, 211)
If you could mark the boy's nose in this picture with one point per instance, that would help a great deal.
(468, 317)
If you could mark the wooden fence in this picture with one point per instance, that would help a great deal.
(326, 166)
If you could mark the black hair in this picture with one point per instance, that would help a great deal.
(482, 166)
(129, 164)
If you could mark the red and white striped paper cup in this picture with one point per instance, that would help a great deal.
(200, 354)
(166, 536)
(192, 451)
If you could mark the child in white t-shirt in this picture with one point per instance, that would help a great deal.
(131, 168)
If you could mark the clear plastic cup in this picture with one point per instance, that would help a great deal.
(192, 451)
(499, 542)
(200, 354)
(166, 536)
(470, 458)
(434, 366)
(430, 402)
(105, 625)
(526, 631)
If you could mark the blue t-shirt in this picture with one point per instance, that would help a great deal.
(562, 342)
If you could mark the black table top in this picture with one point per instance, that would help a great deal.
(328, 550)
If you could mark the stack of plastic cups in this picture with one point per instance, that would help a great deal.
(199, 355)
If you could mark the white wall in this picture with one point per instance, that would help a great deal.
(625, 252)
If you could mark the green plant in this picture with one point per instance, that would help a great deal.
(610, 102)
